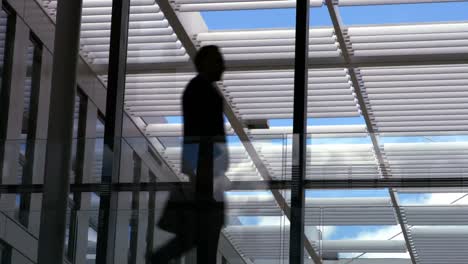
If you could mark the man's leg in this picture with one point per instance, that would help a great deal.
(209, 229)
(174, 249)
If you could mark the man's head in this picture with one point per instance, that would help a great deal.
(210, 63)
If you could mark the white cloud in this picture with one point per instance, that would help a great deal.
(381, 234)
(446, 199)
(273, 221)
(328, 231)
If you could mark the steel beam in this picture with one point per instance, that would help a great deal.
(299, 140)
(338, 26)
(109, 218)
(177, 26)
(404, 227)
(317, 63)
(58, 153)
(409, 184)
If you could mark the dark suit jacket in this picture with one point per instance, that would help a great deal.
(203, 128)
(203, 111)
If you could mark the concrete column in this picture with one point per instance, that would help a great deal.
(60, 131)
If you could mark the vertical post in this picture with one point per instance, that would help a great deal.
(60, 131)
(83, 200)
(113, 129)
(299, 151)
(75, 213)
(41, 135)
(134, 220)
(31, 144)
(151, 214)
(143, 217)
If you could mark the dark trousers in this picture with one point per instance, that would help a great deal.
(198, 220)
(202, 235)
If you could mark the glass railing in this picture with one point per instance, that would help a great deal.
(350, 155)
(342, 222)
(257, 231)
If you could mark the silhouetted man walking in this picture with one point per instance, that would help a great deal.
(196, 216)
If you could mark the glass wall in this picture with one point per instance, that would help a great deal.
(384, 111)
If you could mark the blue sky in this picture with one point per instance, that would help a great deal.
(384, 14)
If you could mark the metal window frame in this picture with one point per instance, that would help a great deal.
(79, 175)
(135, 211)
(28, 170)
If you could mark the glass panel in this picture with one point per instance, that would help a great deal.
(258, 226)
(341, 152)
(348, 224)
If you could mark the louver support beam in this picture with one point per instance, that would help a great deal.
(338, 25)
(321, 63)
(404, 226)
